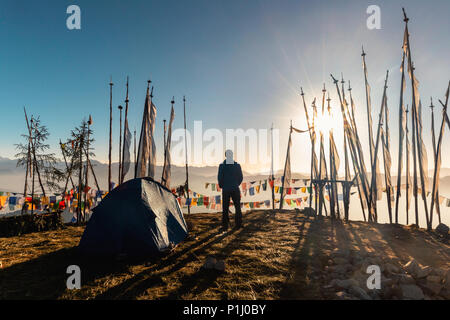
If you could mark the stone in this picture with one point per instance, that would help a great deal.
(432, 288)
(210, 262)
(390, 268)
(412, 292)
(416, 270)
(439, 272)
(434, 279)
(360, 293)
(445, 293)
(404, 279)
(386, 282)
(377, 261)
(412, 267)
(424, 272)
(393, 291)
(345, 284)
(442, 229)
(220, 265)
(342, 268)
(447, 280)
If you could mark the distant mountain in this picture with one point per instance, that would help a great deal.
(12, 177)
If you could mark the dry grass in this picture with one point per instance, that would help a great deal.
(275, 256)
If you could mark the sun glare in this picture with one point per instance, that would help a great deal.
(324, 123)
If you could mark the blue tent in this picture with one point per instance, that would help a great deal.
(138, 218)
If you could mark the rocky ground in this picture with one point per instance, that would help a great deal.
(277, 255)
(347, 271)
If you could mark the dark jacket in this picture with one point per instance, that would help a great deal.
(230, 176)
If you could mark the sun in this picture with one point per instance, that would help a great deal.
(325, 122)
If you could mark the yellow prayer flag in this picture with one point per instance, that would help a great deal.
(2, 200)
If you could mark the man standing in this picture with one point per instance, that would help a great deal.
(230, 177)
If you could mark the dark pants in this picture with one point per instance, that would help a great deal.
(235, 195)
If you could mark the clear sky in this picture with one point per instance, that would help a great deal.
(239, 63)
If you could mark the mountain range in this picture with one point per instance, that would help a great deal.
(12, 177)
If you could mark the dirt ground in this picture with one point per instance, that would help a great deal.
(282, 255)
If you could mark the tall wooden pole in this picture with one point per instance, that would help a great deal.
(388, 188)
(400, 138)
(28, 164)
(285, 165)
(86, 184)
(433, 137)
(437, 163)
(135, 158)
(373, 186)
(120, 145)
(387, 173)
(333, 195)
(164, 144)
(407, 165)
(369, 107)
(371, 207)
(312, 138)
(345, 190)
(415, 188)
(322, 164)
(26, 176)
(317, 173)
(186, 152)
(80, 146)
(416, 123)
(360, 156)
(110, 134)
(33, 168)
(122, 175)
(272, 177)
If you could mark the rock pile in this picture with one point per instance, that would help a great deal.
(346, 273)
(213, 263)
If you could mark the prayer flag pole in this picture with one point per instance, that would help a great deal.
(186, 153)
(437, 163)
(311, 136)
(110, 133)
(122, 175)
(400, 137)
(285, 166)
(120, 144)
(416, 126)
(272, 177)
